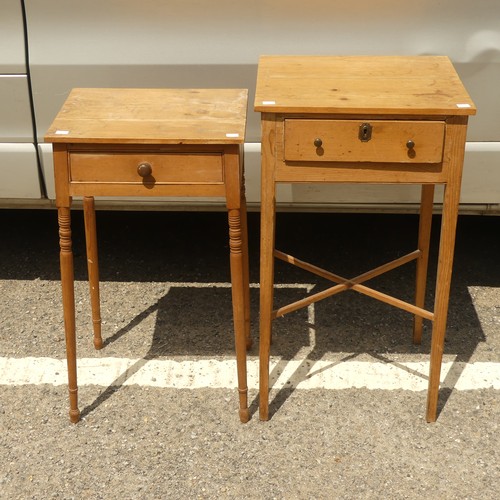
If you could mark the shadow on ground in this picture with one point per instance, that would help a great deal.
(193, 247)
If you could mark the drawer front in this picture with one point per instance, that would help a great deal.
(358, 141)
(171, 168)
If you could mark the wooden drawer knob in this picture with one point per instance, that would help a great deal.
(144, 169)
(410, 144)
(318, 142)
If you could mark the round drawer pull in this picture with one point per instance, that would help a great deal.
(410, 144)
(144, 169)
(318, 142)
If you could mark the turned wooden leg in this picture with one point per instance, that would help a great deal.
(68, 293)
(424, 238)
(246, 267)
(239, 306)
(93, 267)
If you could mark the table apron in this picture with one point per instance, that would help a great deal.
(124, 189)
(380, 173)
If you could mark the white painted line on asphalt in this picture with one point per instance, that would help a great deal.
(203, 373)
(300, 372)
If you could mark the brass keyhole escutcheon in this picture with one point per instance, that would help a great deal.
(365, 132)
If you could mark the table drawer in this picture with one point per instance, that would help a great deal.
(167, 168)
(364, 141)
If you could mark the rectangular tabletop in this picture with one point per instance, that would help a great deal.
(151, 116)
(391, 85)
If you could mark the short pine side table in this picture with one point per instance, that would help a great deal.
(150, 142)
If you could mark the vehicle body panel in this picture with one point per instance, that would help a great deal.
(190, 43)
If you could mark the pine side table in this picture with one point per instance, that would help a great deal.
(150, 142)
(385, 120)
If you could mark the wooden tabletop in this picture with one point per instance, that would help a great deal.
(415, 85)
(151, 116)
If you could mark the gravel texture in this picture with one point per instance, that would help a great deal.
(144, 442)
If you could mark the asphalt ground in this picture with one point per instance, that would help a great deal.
(165, 297)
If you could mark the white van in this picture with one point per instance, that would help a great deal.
(48, 47)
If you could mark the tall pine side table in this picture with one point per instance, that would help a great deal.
(374, 120)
